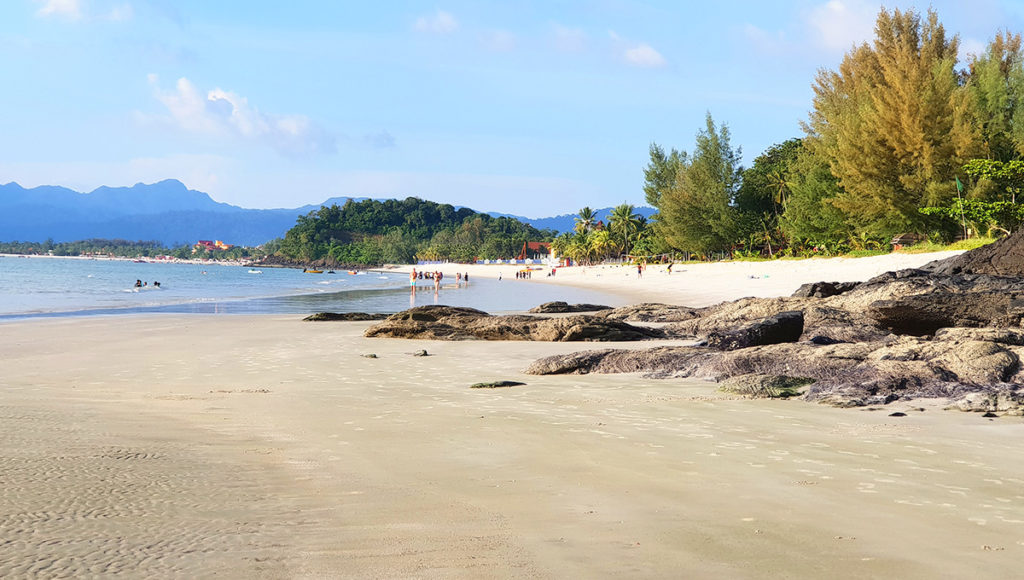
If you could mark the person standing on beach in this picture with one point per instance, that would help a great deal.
(639, 270)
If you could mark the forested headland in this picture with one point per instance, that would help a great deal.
(401, 231)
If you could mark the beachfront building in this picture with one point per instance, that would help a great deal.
(209, 245)
(535, 251)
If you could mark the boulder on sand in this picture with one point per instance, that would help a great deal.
(783, 327)
(456, 323)
(559, 307)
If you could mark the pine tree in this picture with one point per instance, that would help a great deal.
(996, 83)
(894, 123)
(696, 214)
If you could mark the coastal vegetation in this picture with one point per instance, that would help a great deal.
(902, 139)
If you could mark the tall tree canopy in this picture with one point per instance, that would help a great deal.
(696, 214)
(996, 84)
(894, 123)
(660, 173)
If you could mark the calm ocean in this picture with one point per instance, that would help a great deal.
(47, 287)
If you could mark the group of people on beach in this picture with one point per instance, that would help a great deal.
(436, 276)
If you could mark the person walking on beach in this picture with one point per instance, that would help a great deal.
(639, 270)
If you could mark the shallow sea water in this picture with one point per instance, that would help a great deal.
(47, 287)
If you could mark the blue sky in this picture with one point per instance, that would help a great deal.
(534, 108)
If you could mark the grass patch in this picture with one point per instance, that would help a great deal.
(866, 253)
(968, 244)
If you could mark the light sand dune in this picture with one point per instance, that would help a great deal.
(248, 446)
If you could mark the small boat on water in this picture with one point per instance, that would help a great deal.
(252, 271)
(313, 271)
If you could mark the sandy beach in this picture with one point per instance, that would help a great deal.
(698, 284)
(267, 447)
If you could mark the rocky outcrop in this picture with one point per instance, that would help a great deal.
(924, 314)
(343, 316)
(783, 327)
(653, 312)
(1003, 258)
(824, 289)
(844, 374)
(765, 386)
(944, 332)
(559, 307)
(457, 323)
(1004, 399)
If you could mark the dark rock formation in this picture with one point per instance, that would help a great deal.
(496, 385)
(783, 327)
(824, 289)
(924, 314)
(343, 316)
(559, 307)
(455, 323)
(1003, 258)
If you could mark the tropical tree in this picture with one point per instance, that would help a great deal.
(766, 183)
(811, 215)
(624, 224)
(585, 220)
(601, 244)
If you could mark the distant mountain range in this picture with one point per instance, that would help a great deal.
(566, 222)
(167, 212)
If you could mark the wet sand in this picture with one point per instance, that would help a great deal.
(263, 446)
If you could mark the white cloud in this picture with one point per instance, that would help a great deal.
(499, 41)
(837, 25)
(66, 8)
(643, 55)
(640, 54)
(440, 22)
(223, 113)
(569, 39)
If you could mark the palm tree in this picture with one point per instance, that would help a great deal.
(586, 219)
(561, 245)
(624, 224)
(601, 244)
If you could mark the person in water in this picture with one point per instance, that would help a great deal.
(138, 283)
